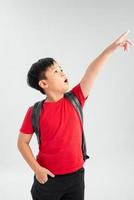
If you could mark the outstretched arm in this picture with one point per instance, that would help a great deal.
(95, 66)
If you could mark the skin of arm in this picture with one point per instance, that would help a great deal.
(25, 150)
(95, 67)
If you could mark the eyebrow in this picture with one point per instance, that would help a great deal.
(57, 67)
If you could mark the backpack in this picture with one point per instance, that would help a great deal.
(36, 116)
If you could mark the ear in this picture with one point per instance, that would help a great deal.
(43, 84)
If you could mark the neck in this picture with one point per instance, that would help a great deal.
(54, 98)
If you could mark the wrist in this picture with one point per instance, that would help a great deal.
(37, 168)
(111, 48)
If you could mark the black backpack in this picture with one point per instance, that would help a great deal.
(36, 115)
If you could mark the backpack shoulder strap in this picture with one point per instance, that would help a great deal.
(35, 118)
(74, 100)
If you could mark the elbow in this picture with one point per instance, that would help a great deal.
(18, 144)
(23, 140)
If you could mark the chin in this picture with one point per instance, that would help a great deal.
(67, 88)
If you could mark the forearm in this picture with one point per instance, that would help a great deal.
(96, 65)
(27, 154)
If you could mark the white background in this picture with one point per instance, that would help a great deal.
(73, 32)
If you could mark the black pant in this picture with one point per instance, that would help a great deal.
(62, 187)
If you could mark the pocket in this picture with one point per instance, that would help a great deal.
(36, 181)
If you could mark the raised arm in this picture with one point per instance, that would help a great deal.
(95, 66)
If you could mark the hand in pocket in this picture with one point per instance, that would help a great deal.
(42, 175)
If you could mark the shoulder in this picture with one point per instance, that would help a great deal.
(77, 91)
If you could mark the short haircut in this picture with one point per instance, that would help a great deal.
(37, 72)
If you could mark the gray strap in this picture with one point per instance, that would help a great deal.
(78, 107)
(36, 119)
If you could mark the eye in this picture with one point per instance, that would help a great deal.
(57, 70)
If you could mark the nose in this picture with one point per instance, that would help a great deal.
(62, 73)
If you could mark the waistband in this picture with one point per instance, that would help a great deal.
(68, 174)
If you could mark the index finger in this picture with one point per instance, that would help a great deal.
(50, 173)
(125, 34)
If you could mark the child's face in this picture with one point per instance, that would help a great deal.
(55, 79)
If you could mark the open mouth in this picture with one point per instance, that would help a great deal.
(66, 80)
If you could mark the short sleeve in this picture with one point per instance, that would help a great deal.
(77, 91)
(26, 126)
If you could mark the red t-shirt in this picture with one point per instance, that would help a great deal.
(61, 134)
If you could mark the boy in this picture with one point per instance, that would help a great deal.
(58, 168)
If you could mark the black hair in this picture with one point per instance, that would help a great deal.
(37, 72)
